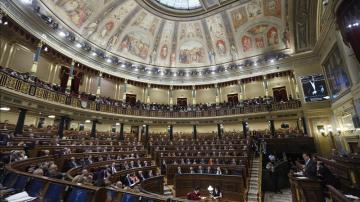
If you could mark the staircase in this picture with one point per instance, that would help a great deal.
(273, 197)
(254, 189)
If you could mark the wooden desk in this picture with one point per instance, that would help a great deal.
(231, 186)
(306, 190)
(336, 195)
(171, 170)
(153, 185)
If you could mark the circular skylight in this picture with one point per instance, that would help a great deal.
(181, 4)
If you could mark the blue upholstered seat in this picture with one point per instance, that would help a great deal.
(148, 200)
(111, 195)
(79, 195)
(20, 182)
(128, 198)
(9, 180)
(54, 192)
(35, 186)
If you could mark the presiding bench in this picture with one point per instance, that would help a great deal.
(231, 186)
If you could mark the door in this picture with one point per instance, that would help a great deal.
(233, 98)
(182, 102)
(280, 94)
(131, 99)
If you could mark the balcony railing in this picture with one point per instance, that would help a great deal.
(28, 88)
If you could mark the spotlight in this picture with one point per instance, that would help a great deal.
(6, 23)
(46, 49)
(108, 60)
(118, 124)
(51, 116)
(87, 121)
(272, 60)
(93, 53)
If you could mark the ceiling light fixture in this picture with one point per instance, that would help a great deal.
(51, 116)
(87, 121)
(4, 108)
(62, 34)
(78, 45)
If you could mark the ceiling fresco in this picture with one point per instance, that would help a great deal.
(126, 29)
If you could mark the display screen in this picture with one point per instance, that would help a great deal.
(314, 88)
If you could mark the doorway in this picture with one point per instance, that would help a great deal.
(280, 94)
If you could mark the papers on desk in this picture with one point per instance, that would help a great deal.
(20, 197)
(352, 197)
(302, 178)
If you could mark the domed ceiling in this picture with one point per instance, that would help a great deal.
(212, 32)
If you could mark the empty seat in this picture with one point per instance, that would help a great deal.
(54, 193)
(35, 186)
(9, 179)
(20, 182)
(79, 195)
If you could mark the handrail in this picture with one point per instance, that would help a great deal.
(24, 87)
(260, 194)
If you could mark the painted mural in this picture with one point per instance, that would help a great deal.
(126, 29)
(165, 44)
(239, 17)
(272, 8)
(336, 73)
(102, 32)
(191, 52)
(218, 36)
(136, 43)
(78, 11)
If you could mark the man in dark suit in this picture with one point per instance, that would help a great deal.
(310, 166)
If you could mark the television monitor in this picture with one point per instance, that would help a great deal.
(314, 88)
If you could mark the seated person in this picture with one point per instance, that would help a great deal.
(179, 170)
(195, 195)
(218, 171)
(325, 174)
(85, 177)
(216, 194)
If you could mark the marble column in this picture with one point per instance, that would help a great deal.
(245, 128)
(121, 132)
(20, 122)
(93, 129)
(36, 58)
(194, 132)
(61, 127)
(170, 132)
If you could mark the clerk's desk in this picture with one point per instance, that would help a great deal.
(305, 189)
(232, 187)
